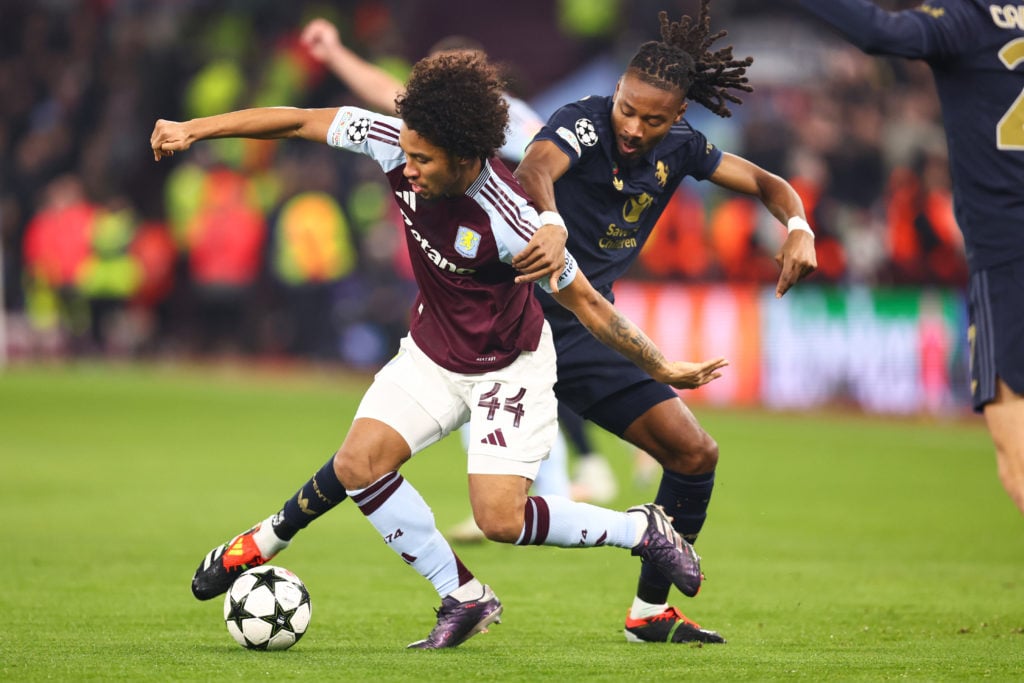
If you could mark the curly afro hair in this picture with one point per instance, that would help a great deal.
(455, 99)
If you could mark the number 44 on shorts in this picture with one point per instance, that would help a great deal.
(512, 404)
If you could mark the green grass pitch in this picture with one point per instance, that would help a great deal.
(839, 547)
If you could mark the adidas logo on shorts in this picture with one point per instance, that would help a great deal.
(495, 438)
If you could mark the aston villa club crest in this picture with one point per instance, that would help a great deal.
(467, 242)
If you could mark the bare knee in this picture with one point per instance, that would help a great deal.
(670, 433)
(371, 449)
(708, 455)
(347, 472)
(698, 455)
(501, 527)
(354, 470)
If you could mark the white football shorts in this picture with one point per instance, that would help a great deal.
(512, 412)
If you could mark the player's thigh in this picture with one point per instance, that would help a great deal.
(671, 434)
(415, 398)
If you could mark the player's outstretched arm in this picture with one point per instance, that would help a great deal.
(374, 86)
(169, 137)
(796, 257)
(544, 255)
(616, 331)
(875, 30)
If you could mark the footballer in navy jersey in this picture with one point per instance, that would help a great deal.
(606, 167)
(622, 200)
(976, 53)
(479, 352)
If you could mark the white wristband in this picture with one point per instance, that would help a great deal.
(552, 218)
(797, 223)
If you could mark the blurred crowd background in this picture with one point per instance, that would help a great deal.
(291, 249)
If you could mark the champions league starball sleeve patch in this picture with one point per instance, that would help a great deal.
(585, 132)
(467, 242)
(358, 130)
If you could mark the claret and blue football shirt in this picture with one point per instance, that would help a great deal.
(469, 315)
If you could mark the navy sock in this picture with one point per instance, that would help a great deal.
(318, 495)
(685, 498)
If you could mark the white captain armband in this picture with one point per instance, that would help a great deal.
(797, 223)
(569, 274)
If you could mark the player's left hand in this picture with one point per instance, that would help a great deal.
(688, 375)
(797, 260)
(543, 256)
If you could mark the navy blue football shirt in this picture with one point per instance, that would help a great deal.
(610, 208)
(976, 52)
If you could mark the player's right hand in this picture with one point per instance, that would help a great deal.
(796, 259)
(320, 38)
(169, 137)
(544, 255)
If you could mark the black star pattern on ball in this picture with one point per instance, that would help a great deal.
(280, 620)
(238, 613)
(256, 646)
(270, 579)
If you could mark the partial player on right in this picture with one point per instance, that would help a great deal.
(976, 53)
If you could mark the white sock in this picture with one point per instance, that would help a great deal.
(642, 610)
(472, 590)
(267, 541)
(406, 523)
(641, 526)
(578, 525)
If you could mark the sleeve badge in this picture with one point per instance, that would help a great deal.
(585, 132)
(569, 137)
(358, 130)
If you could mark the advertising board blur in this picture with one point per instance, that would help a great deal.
(892, 351)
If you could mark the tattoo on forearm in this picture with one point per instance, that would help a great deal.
(625, 337)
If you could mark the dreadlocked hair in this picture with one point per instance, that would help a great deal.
(455, 100)
(682, 59)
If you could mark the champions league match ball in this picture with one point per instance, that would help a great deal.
(267, 608)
